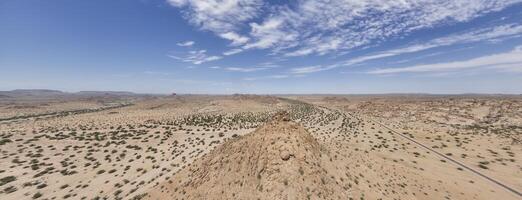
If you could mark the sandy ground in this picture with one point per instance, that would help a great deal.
(159, 148)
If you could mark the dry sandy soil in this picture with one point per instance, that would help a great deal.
(262, 147)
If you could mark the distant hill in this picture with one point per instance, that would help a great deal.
(37, 92)
(45, 93)
(106, 93)
(31, 93)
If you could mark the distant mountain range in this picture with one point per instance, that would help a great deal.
(20, 93)
(46, 93)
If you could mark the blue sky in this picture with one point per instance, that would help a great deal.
(254, 46)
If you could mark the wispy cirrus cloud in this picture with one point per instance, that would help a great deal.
(232, 52)
(511, 60)
(195, 57)
(235, 38)
(218, 16)
(256, 68)
(311, 69)
(332, 25)
(321, 27)
(186, 43)
(244, 69)
(483, 34)
(279, 76)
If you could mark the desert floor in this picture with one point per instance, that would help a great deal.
(237, 147)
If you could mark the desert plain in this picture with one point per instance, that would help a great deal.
(109, 145)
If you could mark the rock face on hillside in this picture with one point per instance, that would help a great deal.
(280, 160)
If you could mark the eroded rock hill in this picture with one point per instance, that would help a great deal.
(280, 160)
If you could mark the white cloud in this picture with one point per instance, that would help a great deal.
(307, 69)
(330, 25)
(260, 67)
(235, 38)
(280, 76)
(484, 34)
(241, 69)
(467, 37)
(186, 43)
(269, 65)
(177, 3)
(311, 69)
(323, 26)
(508, 60)
(196, 57)
(218, 16)
(232, 52)
(269, 34)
